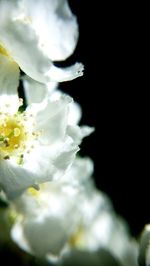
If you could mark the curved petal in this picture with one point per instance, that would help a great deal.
(34, 47)
(52, 119)
(36, 92)
(9, 81)
(47, 163)
(79, 173)
(18, 236)
(78, 133)
(49, 231)
(55, 26)
(14, 179)
(75, 113)
(21, 42)
(65, 74)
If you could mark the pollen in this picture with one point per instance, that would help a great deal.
(12, 135)
(18, 137)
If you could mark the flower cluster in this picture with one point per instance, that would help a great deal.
(56, 211)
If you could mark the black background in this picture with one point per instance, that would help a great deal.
(113, 94)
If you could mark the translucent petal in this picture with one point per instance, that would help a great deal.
(9, 81)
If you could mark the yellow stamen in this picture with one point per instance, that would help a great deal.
(12, 135)
(16, 138)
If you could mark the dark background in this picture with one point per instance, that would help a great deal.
(113, 94)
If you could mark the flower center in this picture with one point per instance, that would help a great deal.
(12, 135)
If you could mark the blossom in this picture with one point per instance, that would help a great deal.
(36, 145)
(70, 215)
(34, 36)
(101, 229)
(50, 214)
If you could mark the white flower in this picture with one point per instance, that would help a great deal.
(48, 217)
(100, 228)
(70, 215)
(36, 145)
(34, 34)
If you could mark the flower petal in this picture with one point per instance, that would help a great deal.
(79, 173)
(35, 92)
(55, 26)
(46, 163)
(14, 179)
(49, 231)
(51, 118)
(9, 81)
(65, 74)
(75, 113)
(21, 42)
(33, 47)
(17, 234)
(78, 133)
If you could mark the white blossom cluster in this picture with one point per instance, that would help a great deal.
(58, 214)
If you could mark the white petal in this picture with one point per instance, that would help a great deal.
(22, 44)
(79, 173)
(35, 92)
(65, 159)
(9, 80)
(55, 26)
(52, 120)
(78, 133)
(47, 234)
(18, 236)
(48, 163)
(86, 131)
(75, 113)
(14, 179)
(65, 74)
